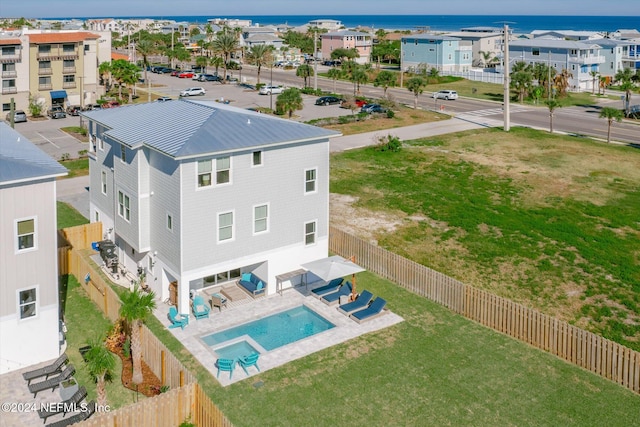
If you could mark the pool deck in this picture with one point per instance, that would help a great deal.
(249, 309)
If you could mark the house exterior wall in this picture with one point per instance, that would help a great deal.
(361, 42)
(15, 54)
(444, 54)
(33, 339)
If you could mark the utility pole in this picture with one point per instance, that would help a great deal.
(315, 58)
(507, 117)
(172, 33)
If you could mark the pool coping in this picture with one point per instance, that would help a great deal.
(344, 330)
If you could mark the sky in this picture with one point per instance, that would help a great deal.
(226, 8)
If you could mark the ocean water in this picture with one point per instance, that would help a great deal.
(518, 23)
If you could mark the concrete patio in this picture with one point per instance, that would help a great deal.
(249, 309)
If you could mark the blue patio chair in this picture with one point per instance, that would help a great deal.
(370, 312)
(361, 302)
(177, 320)
(200, 308)
(250, 360)
(333, 298)
(227, 365)
(332, 286)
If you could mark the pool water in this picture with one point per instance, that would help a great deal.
(235, 351)
(276, 330)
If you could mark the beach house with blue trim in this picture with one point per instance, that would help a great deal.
(197, 193)
(445, 53)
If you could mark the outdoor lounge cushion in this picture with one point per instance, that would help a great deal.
(53, 382)
(53, 369)
(361, 302)
(370, 312)
(334, 297)
(251, 285)
(332, 286)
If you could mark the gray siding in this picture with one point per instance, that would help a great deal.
(126, 180)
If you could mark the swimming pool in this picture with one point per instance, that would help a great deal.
(276, 330)
(236, 350)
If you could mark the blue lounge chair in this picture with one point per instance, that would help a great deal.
(200, 308)
(333, 298)
(227, 365)
(330, 287)
(54, 369)
(360, 303)
(370, 312)
(177, 320)
(250, 360)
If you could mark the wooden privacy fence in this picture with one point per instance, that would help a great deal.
(165, 410)
(582, 348)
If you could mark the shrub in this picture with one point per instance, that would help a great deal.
(389, 143)
(82, 153)
(35, 107)
(390, 114)
(260, 86)
(311, 91)
(65, 156)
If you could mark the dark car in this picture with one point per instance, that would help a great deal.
(18, 116)
(73, 110)
(57, 112)
(328, 100)
(90, 107)
(209, 78)
(373, 108)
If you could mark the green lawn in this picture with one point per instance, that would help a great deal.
(76, 167)
(68, 216)
(549, 221)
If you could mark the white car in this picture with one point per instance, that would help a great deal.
(446, 94)
(192, 91)
(266, 90)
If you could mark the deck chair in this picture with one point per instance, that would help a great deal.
(72, 402)
(80, 416)
(200, 308)
(360, 303)
(53, 369)
(250, 360)
(177, 320)
(370, 312)
(334, 297)
(53, 382)
(332, 286)
(227, 365)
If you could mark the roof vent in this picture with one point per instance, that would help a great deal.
(248, 121)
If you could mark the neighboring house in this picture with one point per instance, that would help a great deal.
(445, 53)
(252, 36)
(482, 42)
(618, 55)
(568, 34)
(29, 310)
(196, 193)
(578, 58)
(362, 42)
(326, 24)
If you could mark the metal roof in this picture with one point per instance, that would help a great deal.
(551, 43)
(429, 37)
(21, 161)
(186, 128)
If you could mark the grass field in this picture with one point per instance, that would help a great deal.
(545, 220)
(76, 167)
(68, 216)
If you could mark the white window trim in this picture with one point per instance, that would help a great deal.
(315, 180)
(36, 302)
(211, 173)
(124, 207)
(215, 172)
(16, 237)
(103, 182)
(315, 233)
(266, 230)
(233, 227)
(123, 153)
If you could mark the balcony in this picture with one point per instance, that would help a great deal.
(586, 60)
(57, 55)
(46, 86)
(68, 70)
(9, 74)
(68, 85)
(8, 90)
(4, 59)
(44, 71)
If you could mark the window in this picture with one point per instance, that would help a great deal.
(97, 216)
(223, 172)
(535, 52)
(70, 78)
(257, 158)
(204, 173)
(9, 67)
(169, 222)
(260, 218)
(124, 208)
(123, 153)
(103, 181)
(9, 50)
(310, 233)
(68, 48)
(44, 82)
(310, 181)
(26, 233)
(100, 144)
(225, 226)
(27, 303)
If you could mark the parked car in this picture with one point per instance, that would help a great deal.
(163, 70)
(73, 110)
(163, 99)
(268, 89)
(186, 75)
(446, 94)
(193, 91)
(359, 103)
(175, 73)
(328, 100)
(18, 116)
(56, 112)
(209, 78)
(90, 107)
(331, 63)
(373, 108)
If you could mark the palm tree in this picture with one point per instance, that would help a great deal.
(562, 81)
(359, 76)
(417, 86)
(202, 62)
(334, 74)
(100, 363)
(260, 55)
(625, 79)
(521, 79)
(225, 44)
(145, 47)
(136, 306)
(610, 114)
(487, 57)
(289, 101)
(105, 73)
(553, 105)
(217, 62)
(386, 79)
(594, 75)
(125, 73)
(603, 84)
(304, 71)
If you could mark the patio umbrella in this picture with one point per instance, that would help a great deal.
(333, 267)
